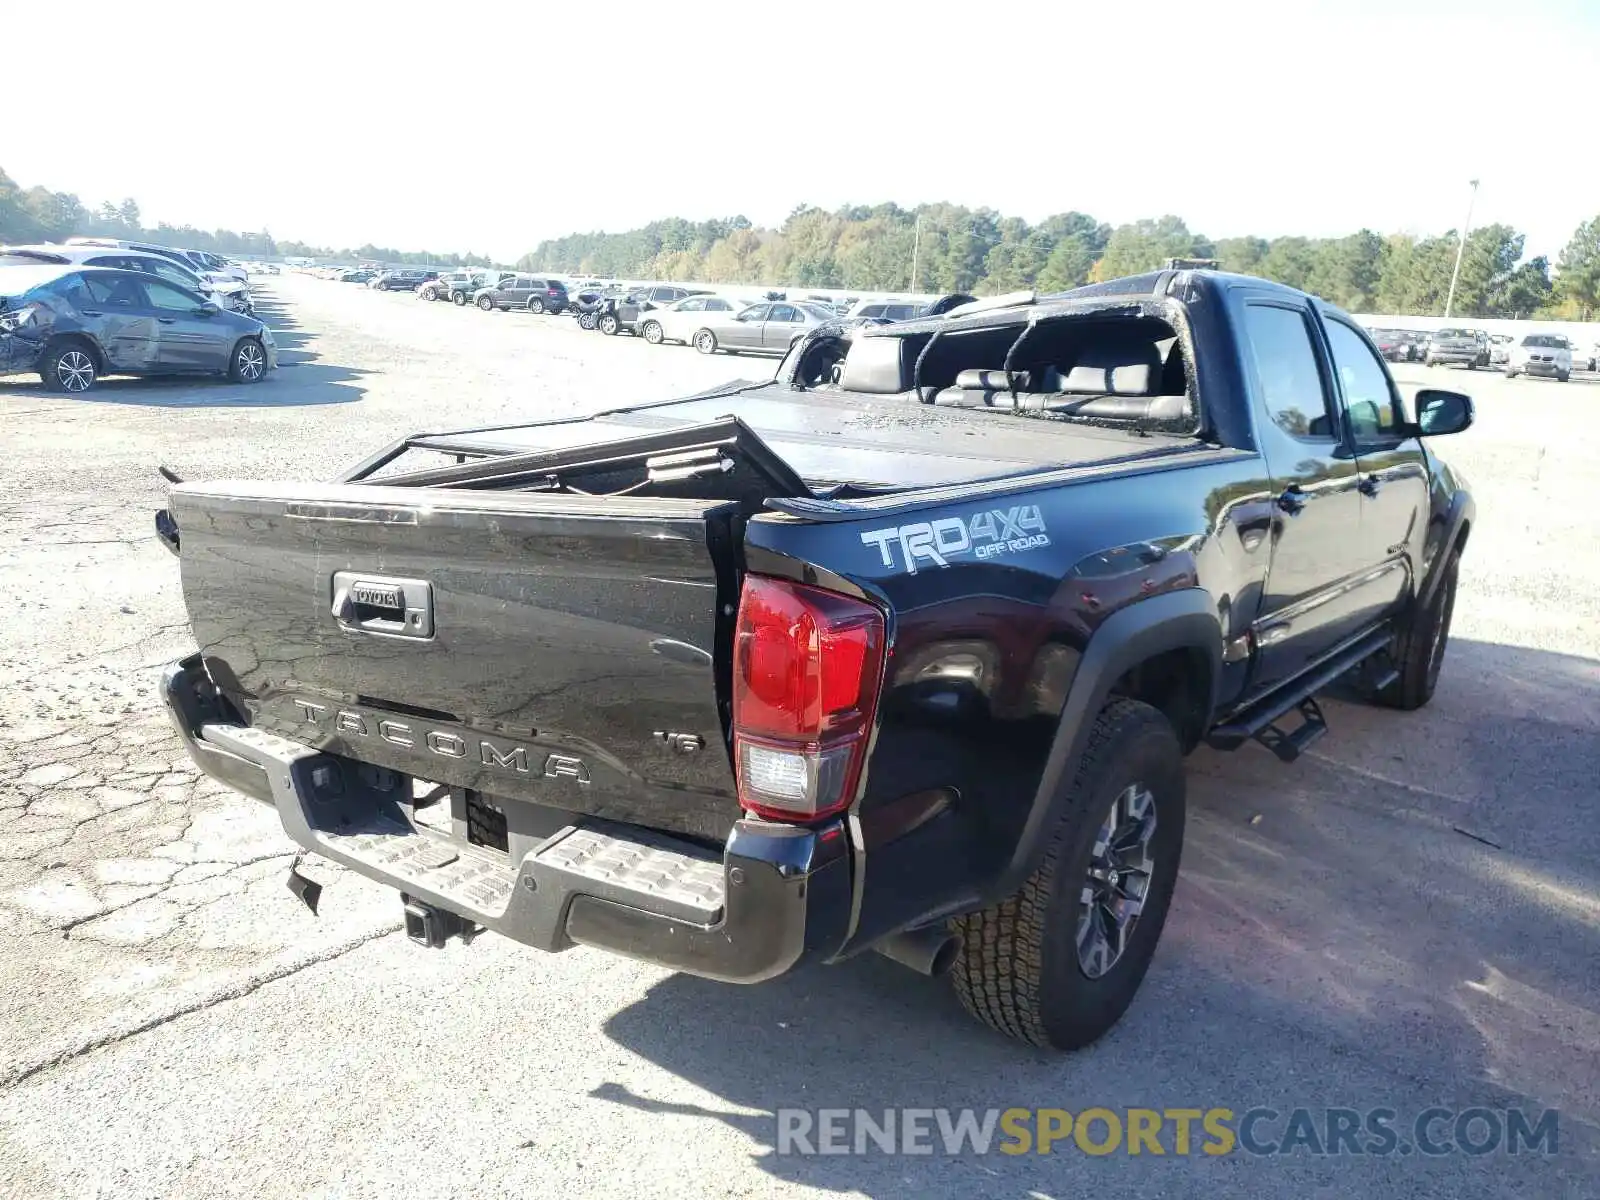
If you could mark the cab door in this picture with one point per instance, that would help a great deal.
(1308, 606)
(1393, 475)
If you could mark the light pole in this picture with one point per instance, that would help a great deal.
(1460, 250)
(916, 250)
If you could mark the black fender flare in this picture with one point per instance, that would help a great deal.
(1460, 516)
(1180, 620)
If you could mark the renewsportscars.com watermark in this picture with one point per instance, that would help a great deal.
(1260, 1131)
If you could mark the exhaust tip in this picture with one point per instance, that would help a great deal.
(945, 957)
(930, 951)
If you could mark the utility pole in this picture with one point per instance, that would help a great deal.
(1450, 299)
(916, 250)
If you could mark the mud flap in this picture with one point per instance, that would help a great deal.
(303, 886)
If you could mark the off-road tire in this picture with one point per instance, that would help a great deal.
(651, 332)
(1419, 648)
(1018, 967)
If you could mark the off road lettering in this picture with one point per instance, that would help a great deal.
(986, 534)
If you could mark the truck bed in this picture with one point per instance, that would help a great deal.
(831, 437)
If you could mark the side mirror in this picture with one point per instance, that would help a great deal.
(1440, 412)
(207, 309)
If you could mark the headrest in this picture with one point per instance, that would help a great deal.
(1125, 379)
(879, 365)
(1113, 367)
(977, 380)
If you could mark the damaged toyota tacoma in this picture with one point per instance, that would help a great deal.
(901, 651)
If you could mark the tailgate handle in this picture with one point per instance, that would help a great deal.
(383, 605)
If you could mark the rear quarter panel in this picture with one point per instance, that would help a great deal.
(992, 602)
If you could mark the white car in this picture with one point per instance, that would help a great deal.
(1544, 354)
(225, 293)
(678, 322)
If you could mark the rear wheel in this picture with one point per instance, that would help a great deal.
(586, 320)
(1058, 963)
(652, 332)
(608, 325)
(536, 306)
(249, 362)
(458, 298)
(705, 341)
(1419, 647)
(486, 304)
(69, 367)
(428, 293)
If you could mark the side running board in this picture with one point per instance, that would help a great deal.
(1259, 722)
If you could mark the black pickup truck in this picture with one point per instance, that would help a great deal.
(901, 651)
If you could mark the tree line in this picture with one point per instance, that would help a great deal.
(943, 248)
(39, 215)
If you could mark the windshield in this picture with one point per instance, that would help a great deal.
(1544, 341)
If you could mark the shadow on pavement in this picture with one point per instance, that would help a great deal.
(288, 387)
(1336, 940)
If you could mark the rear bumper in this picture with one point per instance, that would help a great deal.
(777, 894)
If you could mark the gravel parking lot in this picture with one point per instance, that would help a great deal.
(1408, 917)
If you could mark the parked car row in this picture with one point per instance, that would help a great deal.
(657, 313)
(72, 319)
(224, 291)
(1545, 354)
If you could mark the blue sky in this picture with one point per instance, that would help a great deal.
(318, 121)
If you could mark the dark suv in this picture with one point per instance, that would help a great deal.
(623, 315)
(536, 293)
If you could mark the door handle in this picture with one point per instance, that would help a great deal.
(167, 320)
(1292, 500)
(1368, 485)
(92, 312)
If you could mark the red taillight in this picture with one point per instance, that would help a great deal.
(807, 665)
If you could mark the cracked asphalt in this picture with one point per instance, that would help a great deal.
(1408, 917)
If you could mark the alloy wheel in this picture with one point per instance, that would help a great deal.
(1118, 880)
(75, 370)
(252, 362)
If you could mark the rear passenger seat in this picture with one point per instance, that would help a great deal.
(1118, 381)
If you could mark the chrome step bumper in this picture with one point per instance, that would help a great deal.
(776, 893)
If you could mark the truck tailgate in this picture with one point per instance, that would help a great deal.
(562, 650)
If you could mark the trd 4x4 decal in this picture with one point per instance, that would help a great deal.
(992, 532)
